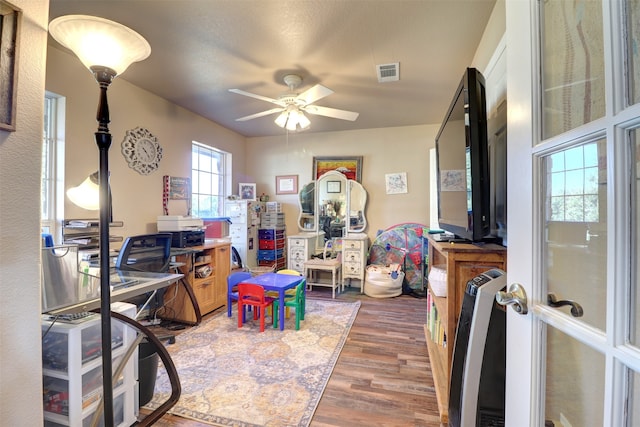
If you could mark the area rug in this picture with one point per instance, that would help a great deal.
(241, 377)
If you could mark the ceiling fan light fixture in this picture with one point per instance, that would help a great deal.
(303, 121)
(281, 120)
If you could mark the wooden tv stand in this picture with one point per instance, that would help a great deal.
(462, 262)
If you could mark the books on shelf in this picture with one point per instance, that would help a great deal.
(434, 324)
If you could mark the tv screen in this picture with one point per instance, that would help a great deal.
(463, 164)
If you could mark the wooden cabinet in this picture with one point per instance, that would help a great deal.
(210, 291)
(461, 262)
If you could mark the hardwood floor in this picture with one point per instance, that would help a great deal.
(382, 376)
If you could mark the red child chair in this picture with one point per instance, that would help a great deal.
(252, 295)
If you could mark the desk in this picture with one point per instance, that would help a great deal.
(143, 283)
(279, 283)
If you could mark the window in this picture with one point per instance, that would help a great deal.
(572, 177)
(210, 177)
(52, 175)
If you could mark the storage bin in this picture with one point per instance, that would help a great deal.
(383, 281)
(215, 228)
(270, 255)
(273, 207)
(256, 271)
(271, 244)
(271, 233)
(438, 281)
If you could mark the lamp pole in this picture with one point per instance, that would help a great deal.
(104, 76)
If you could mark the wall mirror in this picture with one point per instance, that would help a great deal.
(307, 201)
(339, 207)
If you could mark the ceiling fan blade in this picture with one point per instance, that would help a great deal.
(260, 97)
(314, 93)
(255, 116)
(331, 112)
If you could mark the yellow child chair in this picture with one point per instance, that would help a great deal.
(289, 293)
(297, 302)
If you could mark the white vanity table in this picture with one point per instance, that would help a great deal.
(333, 207)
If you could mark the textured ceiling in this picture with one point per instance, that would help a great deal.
(202, 48)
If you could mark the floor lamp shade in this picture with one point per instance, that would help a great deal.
(100, 42)
(87, 194)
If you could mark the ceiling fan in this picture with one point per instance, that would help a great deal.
(292, 105)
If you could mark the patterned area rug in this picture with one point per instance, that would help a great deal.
(241, 377)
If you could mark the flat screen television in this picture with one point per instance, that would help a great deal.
(462, 158)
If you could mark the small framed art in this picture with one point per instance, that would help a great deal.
(287, 184)
(247, 191)
(333, 186)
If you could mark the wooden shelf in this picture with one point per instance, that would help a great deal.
(462, 262)
(210, 292)
(437, 355)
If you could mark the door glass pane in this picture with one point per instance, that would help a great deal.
(635, 243)
(572, 64)
(576, 229)
(634, 399)
(633, 48)
(574, 394)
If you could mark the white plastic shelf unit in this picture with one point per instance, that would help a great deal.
(72, 370)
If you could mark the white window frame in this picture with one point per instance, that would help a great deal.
(53, 166)
(224, 177)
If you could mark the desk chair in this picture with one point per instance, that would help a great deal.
(151, 253)
(146, 253)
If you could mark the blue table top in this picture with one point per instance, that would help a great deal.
(274, 281)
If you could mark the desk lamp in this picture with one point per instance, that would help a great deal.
(106, 48)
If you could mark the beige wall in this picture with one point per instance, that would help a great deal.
(20, 349)
(137, 199)
(388, 150)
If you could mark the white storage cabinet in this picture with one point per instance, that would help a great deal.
(300, 248)
(354, 258)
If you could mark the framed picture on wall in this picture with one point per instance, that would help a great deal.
(333, 186)
(247, 191)
(287, 184)
(351, 167)
(10, 21)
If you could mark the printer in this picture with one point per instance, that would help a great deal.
(186, 231)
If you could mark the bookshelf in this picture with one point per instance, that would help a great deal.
(462, 262)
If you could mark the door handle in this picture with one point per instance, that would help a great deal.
(516, 297)
(576, 309)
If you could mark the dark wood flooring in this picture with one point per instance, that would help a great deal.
(382, 376)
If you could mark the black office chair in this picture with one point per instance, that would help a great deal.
(151, 253)
(147, 252)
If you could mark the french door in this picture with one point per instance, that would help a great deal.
(573, 96)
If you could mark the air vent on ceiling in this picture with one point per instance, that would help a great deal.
(388, 72)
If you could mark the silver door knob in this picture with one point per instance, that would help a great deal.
(515, 297)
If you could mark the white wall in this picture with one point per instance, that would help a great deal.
(20, 349)
(386, 150)
(137, 199)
